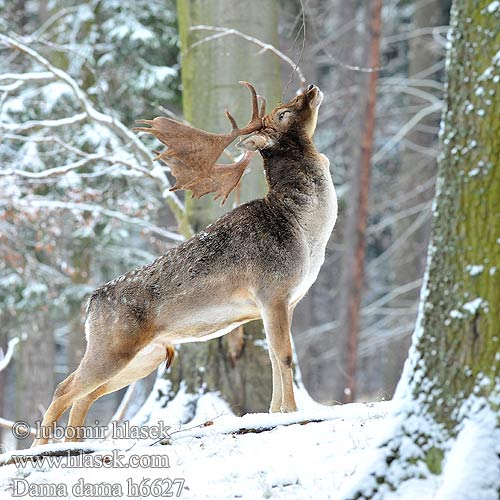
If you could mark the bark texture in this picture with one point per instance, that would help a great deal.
(452, 377)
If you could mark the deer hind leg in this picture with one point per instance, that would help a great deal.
(277, 391)
(144, 362)
(56, 408)
(276, 318)
(96, 368)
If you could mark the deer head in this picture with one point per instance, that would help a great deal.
(192, 153)
(294, 119)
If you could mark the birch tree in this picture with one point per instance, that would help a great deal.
(448, 399)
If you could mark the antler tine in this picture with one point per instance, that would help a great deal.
(255, 104)
(230, 117)
(255, 122)
(143, 129)
(262, 112)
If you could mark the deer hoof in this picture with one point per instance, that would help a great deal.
(288, 409)
(275, 408)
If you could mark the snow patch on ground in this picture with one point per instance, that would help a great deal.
(229, 458)
(310, 454)
(472, 467)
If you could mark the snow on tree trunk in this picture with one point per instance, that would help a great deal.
(446, 421)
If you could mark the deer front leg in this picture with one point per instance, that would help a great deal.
(276, 320)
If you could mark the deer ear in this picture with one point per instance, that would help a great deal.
(255, 142)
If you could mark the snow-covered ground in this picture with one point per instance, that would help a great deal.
(209, 453)
(221, 456)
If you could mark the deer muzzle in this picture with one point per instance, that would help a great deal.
(314, 96)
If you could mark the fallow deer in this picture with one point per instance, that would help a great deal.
(256, 261)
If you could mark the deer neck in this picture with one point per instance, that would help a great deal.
(291, 168)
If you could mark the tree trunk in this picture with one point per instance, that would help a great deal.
(449, 394)
(35, 373)
(236, 365)
(356, 224)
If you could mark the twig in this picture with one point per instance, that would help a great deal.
(257, 430)
(302, 27)
(207, 423)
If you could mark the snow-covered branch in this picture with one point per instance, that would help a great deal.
(141, 159)
(85, 102)
(51, 172)
(5, 358)
(31, 124)
(37, 75)
(27, 203)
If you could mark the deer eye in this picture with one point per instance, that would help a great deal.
(282, 115)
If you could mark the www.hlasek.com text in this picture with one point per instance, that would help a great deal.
(109, 460)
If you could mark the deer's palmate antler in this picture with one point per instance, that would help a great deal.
(192, 153)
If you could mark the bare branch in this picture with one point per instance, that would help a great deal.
(415, 33)
(417, 223)
(391, 219)
(413, 82)
(428, 110)
(416, 92)
(400, 290)
(222, 32)
(418, 148)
